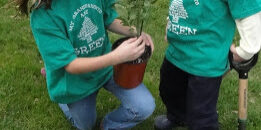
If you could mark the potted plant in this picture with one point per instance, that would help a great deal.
(132, 13)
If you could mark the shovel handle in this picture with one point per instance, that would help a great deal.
(242, 68)
(242, 104)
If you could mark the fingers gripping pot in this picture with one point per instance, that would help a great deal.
(130, 74)
(242, 69)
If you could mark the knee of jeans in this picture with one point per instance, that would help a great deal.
(144, 108)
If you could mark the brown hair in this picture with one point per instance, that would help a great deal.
(24, 4)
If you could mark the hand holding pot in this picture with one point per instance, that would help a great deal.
(130, 49)
(148, 40)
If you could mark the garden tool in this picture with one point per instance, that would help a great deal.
(242, 69)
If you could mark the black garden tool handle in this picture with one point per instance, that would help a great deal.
(242, 69)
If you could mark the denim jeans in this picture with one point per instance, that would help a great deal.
(137, 104)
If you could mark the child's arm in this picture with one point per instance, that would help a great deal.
(249, 29)
(127, 51)
(117, 27)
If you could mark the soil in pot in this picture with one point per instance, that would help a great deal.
(130, 74)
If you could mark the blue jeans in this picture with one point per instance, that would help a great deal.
(137, 104)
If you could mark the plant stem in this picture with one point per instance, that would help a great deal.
(141, 26)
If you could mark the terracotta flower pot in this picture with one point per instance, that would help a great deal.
(130, 74)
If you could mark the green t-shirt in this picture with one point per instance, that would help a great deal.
(200, 33)
(71, 29)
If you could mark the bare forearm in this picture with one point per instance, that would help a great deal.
(117, 27)
(129, 50)
(85, 65)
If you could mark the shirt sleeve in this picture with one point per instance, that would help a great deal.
(54, 46)
(249, 29)
(109, 12)
(55, 49)
(243, 8)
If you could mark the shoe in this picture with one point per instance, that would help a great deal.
(163, 123)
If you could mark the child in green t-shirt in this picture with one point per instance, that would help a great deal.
(200, 33)
(73, 41)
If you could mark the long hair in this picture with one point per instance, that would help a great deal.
(25, 7)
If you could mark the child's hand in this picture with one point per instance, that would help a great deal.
(130, 50)
(147, 38)
(236, 57)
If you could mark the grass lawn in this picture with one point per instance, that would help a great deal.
(25, 104)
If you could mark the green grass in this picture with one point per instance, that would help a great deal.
(24, 100)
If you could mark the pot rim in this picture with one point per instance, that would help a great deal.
(136, 61)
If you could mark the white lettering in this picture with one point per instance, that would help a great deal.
(84, 50)
(90, 48)
(84, 13)
(71, 26)
(82, 8)
(99, 43)
(181, 30)
(196, 2)
(77, 51)
(192, 32)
